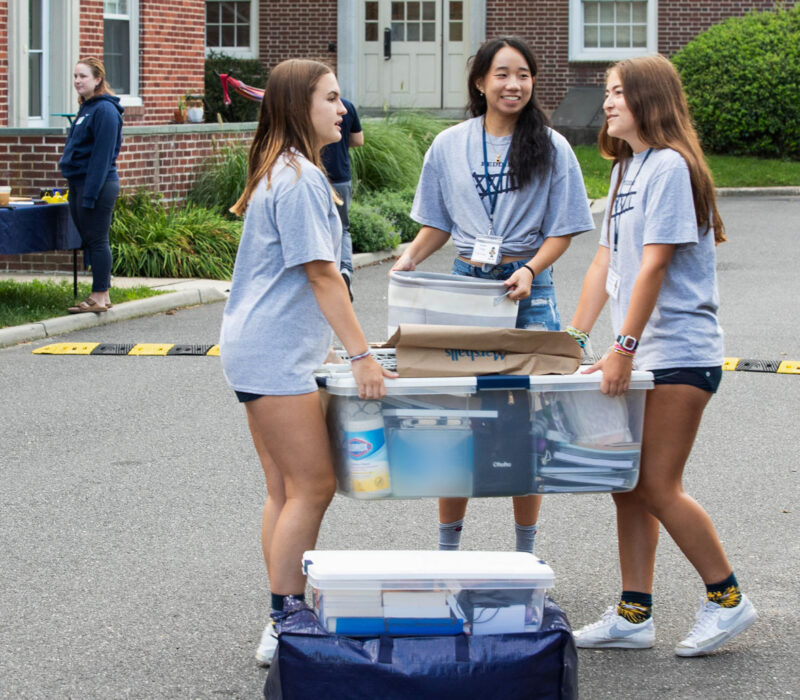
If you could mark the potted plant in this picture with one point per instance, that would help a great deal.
(195, 111)
(179, 115)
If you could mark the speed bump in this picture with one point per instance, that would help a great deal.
(151, 348)
(67, 349)
(729, 364)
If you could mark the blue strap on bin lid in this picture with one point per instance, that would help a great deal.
(503, 381)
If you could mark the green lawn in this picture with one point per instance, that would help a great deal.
(28, 302)
(728, 171)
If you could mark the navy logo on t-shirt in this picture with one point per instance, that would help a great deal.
(507, 184)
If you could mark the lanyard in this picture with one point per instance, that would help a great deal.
(492, 198)
(620, 199)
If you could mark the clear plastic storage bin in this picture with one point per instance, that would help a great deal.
(427, 593)
(498, 435)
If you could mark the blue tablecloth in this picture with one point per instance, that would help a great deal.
(37, 228)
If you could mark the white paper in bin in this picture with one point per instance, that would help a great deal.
(438, 299)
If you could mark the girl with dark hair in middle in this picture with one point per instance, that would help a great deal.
(502, 181)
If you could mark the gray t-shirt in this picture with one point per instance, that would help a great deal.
(274, 334)
(654, 205)
(452, 193)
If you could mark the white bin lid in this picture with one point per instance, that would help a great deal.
(415, 570)
(342, 383)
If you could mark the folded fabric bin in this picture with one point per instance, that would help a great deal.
(439, 299)
(309, 662)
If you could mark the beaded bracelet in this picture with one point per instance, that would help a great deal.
(362, 356)
(622, 351)
(580, 337)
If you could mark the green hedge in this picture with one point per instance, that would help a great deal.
(370, 230)
(395, 207)
(249, 71)
(742, 80)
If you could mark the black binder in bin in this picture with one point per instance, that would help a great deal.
(501, 453)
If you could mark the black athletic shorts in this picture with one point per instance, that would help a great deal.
(705, 378)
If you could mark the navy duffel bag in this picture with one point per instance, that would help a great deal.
(310, 663)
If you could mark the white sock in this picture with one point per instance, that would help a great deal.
(450, 535)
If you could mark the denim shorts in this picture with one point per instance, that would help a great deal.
(705, 378)
(539, 311)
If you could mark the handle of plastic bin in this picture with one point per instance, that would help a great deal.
(504, 381)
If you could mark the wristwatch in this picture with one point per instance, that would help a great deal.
(628, 342)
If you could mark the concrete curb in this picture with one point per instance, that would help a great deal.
(758, 191)
(130, 309)
(365, 259)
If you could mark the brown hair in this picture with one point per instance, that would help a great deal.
(284, 123)
(654, 95)
(98, 70)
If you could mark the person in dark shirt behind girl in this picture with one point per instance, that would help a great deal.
(89, 164)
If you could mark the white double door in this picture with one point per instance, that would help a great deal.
(413, 53)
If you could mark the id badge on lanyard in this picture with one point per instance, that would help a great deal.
(487, 248)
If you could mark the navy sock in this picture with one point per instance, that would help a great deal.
(278, 600)
(725, 593)
(635, 607)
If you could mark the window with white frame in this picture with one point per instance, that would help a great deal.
(232, 27)
(37, 73)
(610, 30)
(121, 46)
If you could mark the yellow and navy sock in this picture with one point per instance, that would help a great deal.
(726, 593)
(635, 607)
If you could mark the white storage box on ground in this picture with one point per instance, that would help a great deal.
(428, 593)
(498, 435)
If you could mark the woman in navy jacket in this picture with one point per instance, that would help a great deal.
(89, 164)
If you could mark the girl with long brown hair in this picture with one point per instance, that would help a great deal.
(656, 266)
(286, 298)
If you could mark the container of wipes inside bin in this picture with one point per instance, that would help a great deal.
(409, 593)
(496, 435)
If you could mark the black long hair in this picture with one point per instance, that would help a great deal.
(531, 149)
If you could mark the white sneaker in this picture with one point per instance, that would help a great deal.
(267, 645)
(715, 626)
(613, 631)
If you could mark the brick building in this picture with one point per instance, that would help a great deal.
(387, 54)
